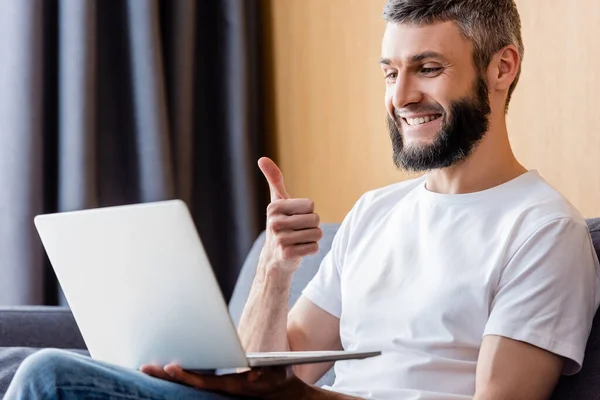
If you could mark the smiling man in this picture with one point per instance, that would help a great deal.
(477, 280)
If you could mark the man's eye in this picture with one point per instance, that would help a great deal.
(391, 76)
(429, 71)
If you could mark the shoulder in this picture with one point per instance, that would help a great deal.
(540, 205)
(546, 230)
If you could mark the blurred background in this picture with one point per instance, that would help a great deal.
(110, 102)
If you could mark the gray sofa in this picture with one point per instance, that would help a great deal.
(24, 330)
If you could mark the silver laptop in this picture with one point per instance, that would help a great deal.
(142, 290)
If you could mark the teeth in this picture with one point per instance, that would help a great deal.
(420, 120)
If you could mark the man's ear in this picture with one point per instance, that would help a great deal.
(504, 68)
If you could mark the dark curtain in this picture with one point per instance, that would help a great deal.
(116, 102)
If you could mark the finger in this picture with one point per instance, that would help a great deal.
(254, 375)
(294, 222)
(291, 207)
(275, 375)
(156, 372)
(290, 238)
(274, 178)
(232, 384)
(293, 253)
(269, 381)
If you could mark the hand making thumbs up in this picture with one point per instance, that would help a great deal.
(292, 225)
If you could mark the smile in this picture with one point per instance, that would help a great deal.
(421, 120)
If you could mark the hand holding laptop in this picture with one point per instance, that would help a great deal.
(266, 382)
(273, 383)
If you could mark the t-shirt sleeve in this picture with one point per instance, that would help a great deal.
(324, 289)
(547, 293)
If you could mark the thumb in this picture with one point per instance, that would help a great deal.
(274, 178)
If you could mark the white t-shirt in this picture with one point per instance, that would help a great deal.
(424, 276)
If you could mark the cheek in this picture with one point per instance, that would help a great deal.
(389, 104)
(446, 89)
(437, 95)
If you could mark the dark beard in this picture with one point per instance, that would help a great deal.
(462, 129)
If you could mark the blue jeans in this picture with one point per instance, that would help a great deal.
(58, 374)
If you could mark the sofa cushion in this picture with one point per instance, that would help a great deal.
(594, 226)
(38, 327)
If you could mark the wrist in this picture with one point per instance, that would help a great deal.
(272, 276)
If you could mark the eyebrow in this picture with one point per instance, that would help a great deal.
(416, 58)
(425, 55)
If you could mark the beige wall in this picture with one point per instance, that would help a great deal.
(328, 118)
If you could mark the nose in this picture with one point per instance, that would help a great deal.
(405, 91)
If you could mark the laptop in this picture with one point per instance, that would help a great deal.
(142, 290)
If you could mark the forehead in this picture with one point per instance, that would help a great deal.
(402, 41)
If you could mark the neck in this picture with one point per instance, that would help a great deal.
(491, 163)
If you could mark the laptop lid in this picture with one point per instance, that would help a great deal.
(140, 286)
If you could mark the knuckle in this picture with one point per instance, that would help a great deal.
(280, 242)
(270, 209)
(309, 249)
(288, 253)
(276, 225)
(274, 207)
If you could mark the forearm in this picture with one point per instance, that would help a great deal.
(263, 325)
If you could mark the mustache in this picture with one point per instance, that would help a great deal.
(419, 109)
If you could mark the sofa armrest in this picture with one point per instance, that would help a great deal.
(39, 327)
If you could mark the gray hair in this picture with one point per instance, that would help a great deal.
(489, 24)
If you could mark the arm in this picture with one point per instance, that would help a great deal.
(263, 323)
(311, 328)
(266, 326)
(292, 232)
(509, 369)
